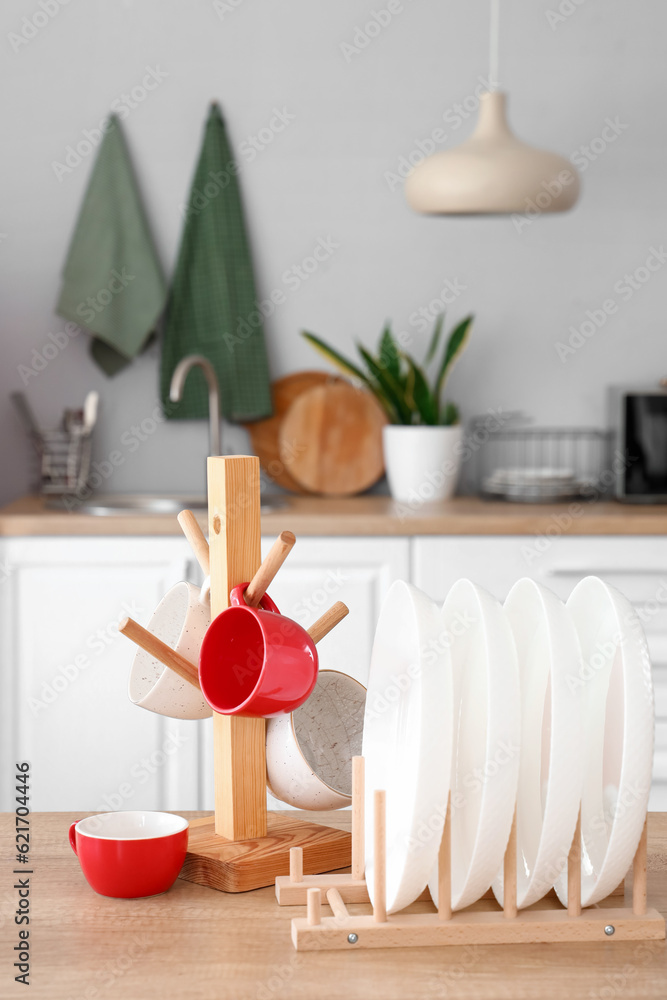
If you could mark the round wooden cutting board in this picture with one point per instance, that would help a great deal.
(331, 439)
(264, 433)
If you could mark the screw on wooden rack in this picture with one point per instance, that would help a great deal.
(296, 864)
(574, 873)
(380, 857)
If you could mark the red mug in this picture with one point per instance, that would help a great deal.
(130, 854)
(255, 661)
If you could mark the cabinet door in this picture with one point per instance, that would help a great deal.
(65, 671)
(319, 572)
(635, 566)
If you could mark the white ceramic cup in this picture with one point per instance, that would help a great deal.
(309, 753)
(181, 620)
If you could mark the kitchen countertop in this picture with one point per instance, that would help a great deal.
(365, 515)
(199, 944)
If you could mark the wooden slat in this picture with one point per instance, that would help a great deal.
(358, 831)
(380, 856)
(639, 874)
(509, 874)
(478, 928)
(445, 867)
(239, 744)
(574, 873)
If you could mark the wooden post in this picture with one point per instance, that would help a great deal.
(639, 875)
(358, 847)
(380, 856)
(296, 864)
(445, 867)
(235, 555)
(574, 873)
(314, 904)
(509, 874)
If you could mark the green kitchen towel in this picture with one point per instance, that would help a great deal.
(212, 308)
(112, 281)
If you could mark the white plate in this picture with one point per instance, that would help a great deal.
(615, 681)
(552, 740)
(408, 740)
(486, 739)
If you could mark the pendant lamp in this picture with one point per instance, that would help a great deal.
(493, 172)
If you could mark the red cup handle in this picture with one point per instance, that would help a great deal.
(72, 837)
(238, 600)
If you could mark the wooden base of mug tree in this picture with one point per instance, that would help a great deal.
(242, 847)
(483, 925)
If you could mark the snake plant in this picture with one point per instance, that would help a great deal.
(401, 385)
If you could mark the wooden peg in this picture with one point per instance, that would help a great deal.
(160, 650)
(639, 875)
(314, 906)
(445, 867)
(196, 538)
(264, 576)
(337, 905)
(329, 620)
(296, 864)
(509, 874)
(380, 857)
(574, 873)
(358, 846)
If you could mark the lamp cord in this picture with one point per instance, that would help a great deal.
(494, 44)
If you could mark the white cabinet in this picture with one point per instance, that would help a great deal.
(65, 670)
(64, 667)
(636, 566)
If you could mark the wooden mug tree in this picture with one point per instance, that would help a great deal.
(244, 847)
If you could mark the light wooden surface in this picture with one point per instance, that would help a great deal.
(239, 745)
(204, 945)
(364, 515)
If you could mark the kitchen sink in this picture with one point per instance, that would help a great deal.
(115, 504)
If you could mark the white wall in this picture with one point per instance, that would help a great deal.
(325, 175)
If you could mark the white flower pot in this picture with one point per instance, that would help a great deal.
(422, 463)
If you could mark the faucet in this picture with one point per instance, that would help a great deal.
(176, 392)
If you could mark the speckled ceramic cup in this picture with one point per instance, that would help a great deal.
(309, 753)
(181, 620)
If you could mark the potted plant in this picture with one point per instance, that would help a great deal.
(422, 444)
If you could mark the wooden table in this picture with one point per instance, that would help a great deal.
(197, 944)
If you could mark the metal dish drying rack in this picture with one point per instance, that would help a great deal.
(522, 463)
(64, 460)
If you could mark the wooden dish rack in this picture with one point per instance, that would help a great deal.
(482, 926)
